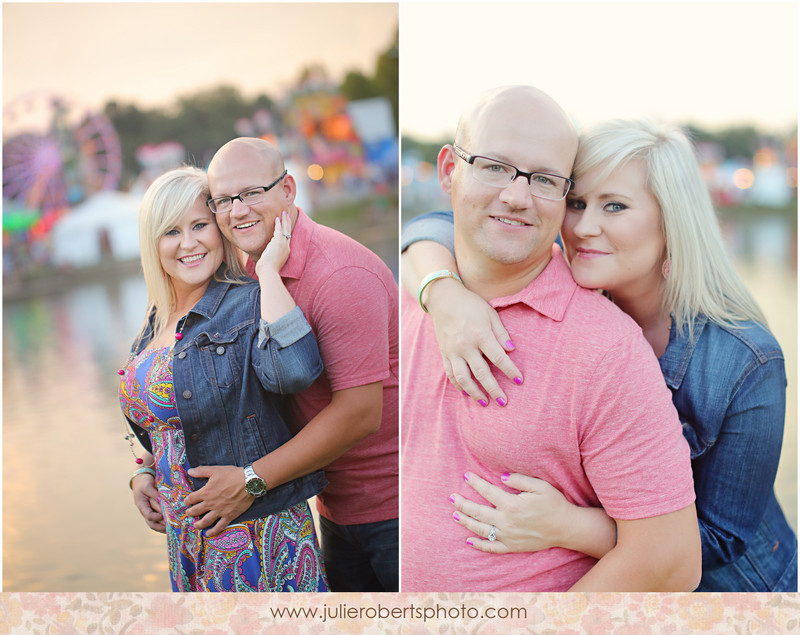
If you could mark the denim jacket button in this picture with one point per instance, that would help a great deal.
(195, 437)
(220, 350)
(182, 354)
(187, 394)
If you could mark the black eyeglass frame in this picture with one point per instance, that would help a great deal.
(238, 197)
(470, 158)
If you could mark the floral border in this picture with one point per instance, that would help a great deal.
(542, 613)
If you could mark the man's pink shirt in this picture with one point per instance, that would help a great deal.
(593, 417)
(350, 298)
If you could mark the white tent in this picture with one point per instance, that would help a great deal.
(78, 237)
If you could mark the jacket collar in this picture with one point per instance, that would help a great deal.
(208, 305)
(675, 360)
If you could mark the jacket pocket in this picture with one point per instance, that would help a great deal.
(254, 442)
(220, 357)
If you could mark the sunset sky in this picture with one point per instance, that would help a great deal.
(150, 53)
(712, 63)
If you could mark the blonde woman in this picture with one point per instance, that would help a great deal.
(198, 392)
(639, 225)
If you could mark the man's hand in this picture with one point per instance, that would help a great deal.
(146, 499)
(220, 500)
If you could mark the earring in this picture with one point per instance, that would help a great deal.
(666, 268)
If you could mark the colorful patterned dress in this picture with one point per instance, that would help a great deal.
(276, 553)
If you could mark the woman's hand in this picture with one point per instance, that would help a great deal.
(145, 496)
(537, 518)
(277, 250)
(221, 499)
(467, 329)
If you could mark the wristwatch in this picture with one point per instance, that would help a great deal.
(253, 483)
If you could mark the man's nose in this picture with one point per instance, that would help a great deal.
(517, 193)
(238, 208)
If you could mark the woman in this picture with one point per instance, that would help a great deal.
(640, 225)
(197, 392)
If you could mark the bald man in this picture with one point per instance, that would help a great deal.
(348, 419)
(593, 418)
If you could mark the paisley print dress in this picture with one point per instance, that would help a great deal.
(276, 553)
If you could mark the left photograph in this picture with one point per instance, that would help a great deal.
(200, 300)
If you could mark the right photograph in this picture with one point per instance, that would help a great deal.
(599, 304)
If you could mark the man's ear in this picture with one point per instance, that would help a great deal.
(445, 164)
(289, 188)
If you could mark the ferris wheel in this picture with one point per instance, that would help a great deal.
(56, 153)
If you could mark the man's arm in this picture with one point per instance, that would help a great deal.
(352, 414)
(652, 554)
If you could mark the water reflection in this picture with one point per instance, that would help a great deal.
(68, 520)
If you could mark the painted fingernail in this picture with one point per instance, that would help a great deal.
(466, 476)
(483, 402)
(505, 477)
(518, 381)
(456, 516)
(469, 542)
(510, 344)
(452, 498)
(501, 401)
(465, 393)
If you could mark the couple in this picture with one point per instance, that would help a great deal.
(583, 456)
(230, 462)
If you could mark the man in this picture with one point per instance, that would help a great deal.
(349, 297)
(593, 417)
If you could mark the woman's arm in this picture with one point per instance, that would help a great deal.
(734, 479)
(537, 518)
(285, 355)
(467, 328)
(146, 499)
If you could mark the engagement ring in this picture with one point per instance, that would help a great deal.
(492, 537)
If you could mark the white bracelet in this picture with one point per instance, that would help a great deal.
(141, 470)
(436, 275)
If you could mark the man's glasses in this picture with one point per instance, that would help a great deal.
(223, 204)
(499, 174)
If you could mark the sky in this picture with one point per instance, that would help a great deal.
(150, 53)
(713, 64)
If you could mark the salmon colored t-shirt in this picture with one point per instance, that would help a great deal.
(350, 298)
(593, 417)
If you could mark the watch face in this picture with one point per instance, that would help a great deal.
(256, 487)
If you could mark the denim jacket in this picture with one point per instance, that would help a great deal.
(729, 387)
(225, 370)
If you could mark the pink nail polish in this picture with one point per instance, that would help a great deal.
(483, 402)
(466, 476)
(501, 401)
(505, 477)
(452, 498)
(510, 344)
(465, 393)
(469, 542)
(518, 381)
(456, 516)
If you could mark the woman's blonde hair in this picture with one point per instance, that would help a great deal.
(165, 202)
(701, 278)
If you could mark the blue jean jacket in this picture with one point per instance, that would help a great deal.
(729, 387)
(226, 370)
